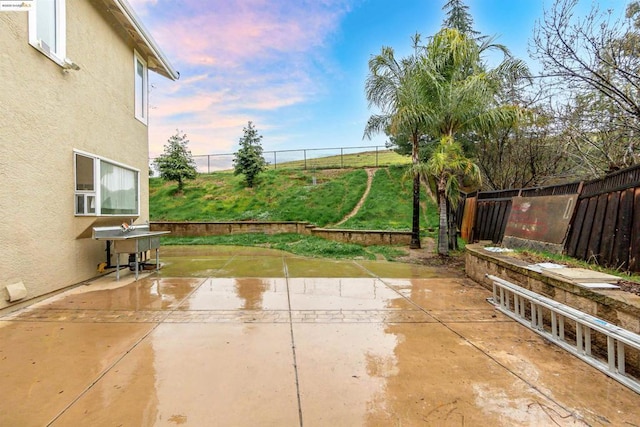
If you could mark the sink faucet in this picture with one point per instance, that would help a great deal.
(127, 227)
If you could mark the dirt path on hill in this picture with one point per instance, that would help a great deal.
(370, 173)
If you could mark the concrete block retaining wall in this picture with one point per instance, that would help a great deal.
(362, 237)
(191, 229)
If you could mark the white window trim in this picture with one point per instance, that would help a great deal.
(86, 194)
(61, 33)
(144, 118)
(96, 185)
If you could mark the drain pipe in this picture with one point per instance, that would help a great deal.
(108, 250)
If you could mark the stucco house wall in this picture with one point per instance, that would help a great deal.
(47, 112)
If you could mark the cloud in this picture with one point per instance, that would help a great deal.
(239, 60)
(229, 33)
(141, 6)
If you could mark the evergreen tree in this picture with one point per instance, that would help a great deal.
(459, 18)
(248, 160)
(176, 163)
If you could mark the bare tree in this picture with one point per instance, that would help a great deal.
(527, 152)
(594, 63)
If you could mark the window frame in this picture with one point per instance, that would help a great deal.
(56, 53)
(96, 192)
(143, 115)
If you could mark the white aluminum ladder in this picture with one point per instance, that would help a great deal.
(512, 300)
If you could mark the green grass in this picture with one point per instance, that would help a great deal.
(354, 160)
(309, 246)
(291, 195)
(544, 256)
(389, 205)
(280, 195)
(324, 203)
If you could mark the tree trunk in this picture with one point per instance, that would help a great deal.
(415, 224)
(453, 228)
(443, 232)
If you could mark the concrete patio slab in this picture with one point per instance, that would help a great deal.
(350, 348)
(402, 270)
(417, 374)
(146, 294)
(311, 267)
(247, 293)
(250, 266)
(344, 294)
(554, 373)
(197, 374)
(193, 267)
(442, 294)
(45, 366)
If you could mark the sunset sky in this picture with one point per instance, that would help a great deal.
(295, 68)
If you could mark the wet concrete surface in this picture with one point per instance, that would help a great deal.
(212, 341)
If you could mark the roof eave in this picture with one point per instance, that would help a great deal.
(157, 61)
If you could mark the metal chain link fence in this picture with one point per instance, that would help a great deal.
(307, 159)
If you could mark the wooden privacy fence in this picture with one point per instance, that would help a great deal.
(606, 224)
(604, 227)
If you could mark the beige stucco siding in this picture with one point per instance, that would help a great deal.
(46, 113)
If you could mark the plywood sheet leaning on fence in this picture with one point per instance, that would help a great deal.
(540, 222)
(468, 219)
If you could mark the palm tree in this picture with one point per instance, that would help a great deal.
(447, 164)
(393, 87)
(459, 96)
(443, 89)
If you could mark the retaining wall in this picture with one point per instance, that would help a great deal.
(362, 237)
(615, 306)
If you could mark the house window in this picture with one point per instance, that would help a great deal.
(140, 87)
(104, 187)
(47, 28)
(85, 185)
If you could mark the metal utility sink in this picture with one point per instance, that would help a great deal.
(130, 239)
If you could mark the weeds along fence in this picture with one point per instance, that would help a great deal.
(309, 159)
(604, 227)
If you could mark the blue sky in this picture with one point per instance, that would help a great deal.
(295, 68)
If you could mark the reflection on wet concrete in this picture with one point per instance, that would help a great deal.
(197, 375)
(187, 267)
(247, 266)
(337, 381)
(442, 295)
(308, 267)
(239, 294)
(343, 294)
(336, 343)
(251, 291)
(403, 271)
(148, 294)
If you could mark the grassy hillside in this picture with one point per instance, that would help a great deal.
(389, 207)
(354, 160)
(291, 195)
